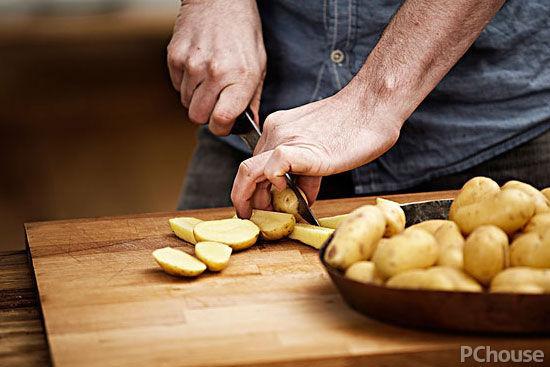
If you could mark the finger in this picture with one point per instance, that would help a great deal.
(289, 158)
(261, 199)
(310, 185)
(203, 101)
(189, 83)
(232, 102)
(250, 173)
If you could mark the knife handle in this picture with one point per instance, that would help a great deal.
(244, 123)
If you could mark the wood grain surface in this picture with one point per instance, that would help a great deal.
(106, 303)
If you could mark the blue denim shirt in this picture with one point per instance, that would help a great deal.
(495, 98)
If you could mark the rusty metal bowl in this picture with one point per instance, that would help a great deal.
(443, 310)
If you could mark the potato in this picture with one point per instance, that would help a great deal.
(546, 192)
(183, 228)
(521, 280)
(311, 235)
(473, 191)
(332, 222)
(508, 209)
(431, 225)
(273, 225)
(531, 249)
(285, 201)
(395, 216)
(451, 244)
(214, 254)
(437, 278)
(364, 272)
(539, 223)
(234, 232)
(177, 262)
(357, 237)
(486, 253)
(541, 202)
(412, 249)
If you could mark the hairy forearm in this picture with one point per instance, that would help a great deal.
(422, 42)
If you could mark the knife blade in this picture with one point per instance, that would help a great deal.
(250, 133)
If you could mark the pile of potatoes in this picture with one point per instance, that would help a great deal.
(496, 238)
(215, 240)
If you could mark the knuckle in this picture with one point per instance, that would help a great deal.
(245, 170)
(193, 65)
(216, 70)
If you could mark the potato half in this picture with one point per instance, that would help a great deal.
(308, 234)
(273, 225)
(214, 254)
(183, 228)
(177, 262)
(234, 232)
(332, 222)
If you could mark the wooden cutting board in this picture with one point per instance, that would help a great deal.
(105, 302)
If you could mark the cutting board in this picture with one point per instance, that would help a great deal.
(105, 302)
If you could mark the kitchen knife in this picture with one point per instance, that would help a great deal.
(250, 133)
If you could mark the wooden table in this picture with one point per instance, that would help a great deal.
(106, 303)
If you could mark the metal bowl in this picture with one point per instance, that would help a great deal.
(442, 310)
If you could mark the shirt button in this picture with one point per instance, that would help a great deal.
(337, 56)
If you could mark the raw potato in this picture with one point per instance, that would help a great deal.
(531, 249)
(539, 223)
(214, 254)
(546, 192)
(473, 191)
(412, 249)
(541, 202)
(273, 225)
(234, 232)
(395, 216)
(183, 228)
(431, 225)
(509, 209)
(285, 201)
(356, 238)
(364, 272)
(177, 262)
(451, 245)
(311, 235)
(486, 253)
(436, 278)
(521, 280)
(332, 222)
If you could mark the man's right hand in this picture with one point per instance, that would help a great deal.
(217, 60)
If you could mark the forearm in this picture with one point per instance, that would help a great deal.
(421, 43)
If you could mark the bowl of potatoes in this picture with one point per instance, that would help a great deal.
(478, 263)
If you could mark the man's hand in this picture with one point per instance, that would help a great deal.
(419, 46)
(318, 139)
(217, 60)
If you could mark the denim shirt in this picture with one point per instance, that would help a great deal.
(495, 98)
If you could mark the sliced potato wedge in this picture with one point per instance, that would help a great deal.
(183, 228)
(234, 232)
(177, 262)
(214, 254)
(311, 235)
(332, 222)
(273, 225)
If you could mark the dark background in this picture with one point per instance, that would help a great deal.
(89, 122)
